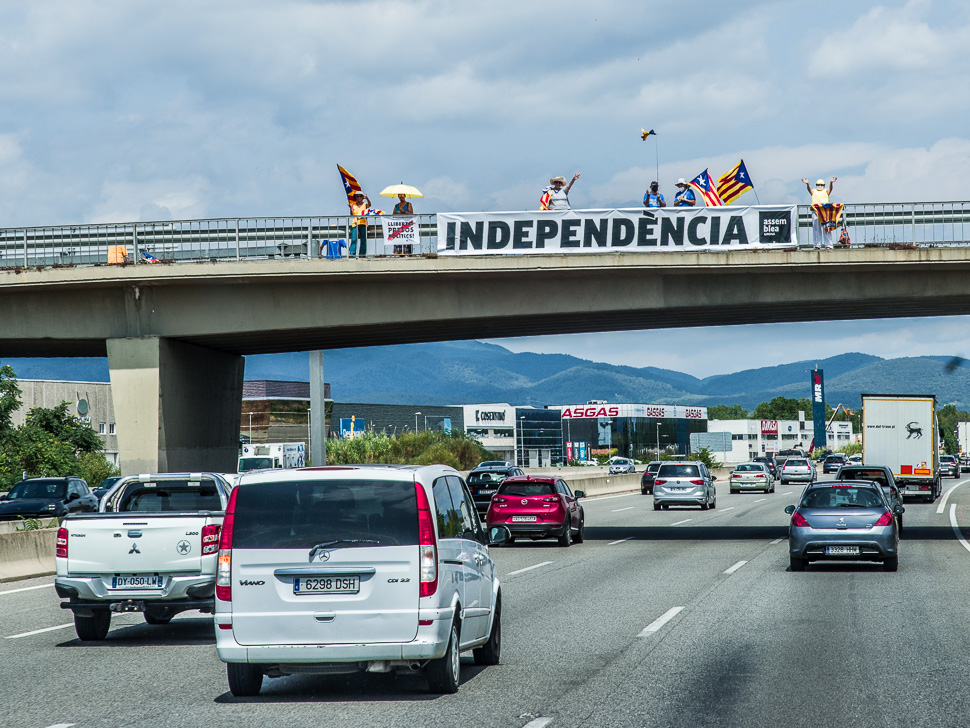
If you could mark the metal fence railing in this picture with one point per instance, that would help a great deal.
(261, 238)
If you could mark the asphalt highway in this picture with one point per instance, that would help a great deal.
(661, 618)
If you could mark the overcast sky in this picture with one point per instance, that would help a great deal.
(135, 111)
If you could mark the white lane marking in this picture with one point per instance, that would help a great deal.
(729, 508)
(956, 528)
(38, 631)
(25, 588)
(538, 723)
(761, 499)
(61, 725)
(734, 568)
(628, 508)
(607, 497)
(681, 522)
(614, 543)
(528, 568)
(660, 621)
(776, 541)
(942, 506)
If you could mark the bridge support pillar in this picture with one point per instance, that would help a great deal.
(177, 406)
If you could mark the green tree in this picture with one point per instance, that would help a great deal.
(781, 408)
(95, 468)
(64, 426)
(727, 412)
(9, 401)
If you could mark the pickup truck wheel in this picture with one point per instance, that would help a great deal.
(245, 680)
(491, 651)
(158, 616)
(443, 673)
(95, 628)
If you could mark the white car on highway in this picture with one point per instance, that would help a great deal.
(341, 569)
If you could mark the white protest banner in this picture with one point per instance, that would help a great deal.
(400, 230)
(611, 231)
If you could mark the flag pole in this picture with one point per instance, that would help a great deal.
(656, 146)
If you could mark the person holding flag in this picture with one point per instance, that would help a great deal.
(555, 197)
(685, 195)
(820, 200)
(358, 232)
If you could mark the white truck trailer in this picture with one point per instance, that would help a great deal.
(901, 431)
(264, 456)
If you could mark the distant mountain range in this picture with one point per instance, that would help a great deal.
(472, 371)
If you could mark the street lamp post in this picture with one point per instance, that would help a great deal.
(520, 456)
(416, 421)
(658, 440)
(609, 447)
(250, 428)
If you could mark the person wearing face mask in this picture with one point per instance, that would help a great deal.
(653, 198)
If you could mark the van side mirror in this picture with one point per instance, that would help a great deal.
(789, 509)
(498, 535)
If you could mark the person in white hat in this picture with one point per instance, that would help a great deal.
(685, 195)
(820, 196)
(556, 197)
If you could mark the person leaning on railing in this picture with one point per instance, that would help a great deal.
(358, 232)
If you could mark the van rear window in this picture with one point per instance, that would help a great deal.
(300, 515)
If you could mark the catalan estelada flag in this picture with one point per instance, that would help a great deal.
(544, 199)
(703, 184)
(351, 185)
(644, 134)
(733, 184)
(828, 215)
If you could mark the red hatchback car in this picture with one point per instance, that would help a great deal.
(538, 506)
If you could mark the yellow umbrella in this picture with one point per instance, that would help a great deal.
(401, 189)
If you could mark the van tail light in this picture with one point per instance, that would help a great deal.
(224, 565)
(797, 519)
(885, 519)
(210, 538)
(61, 551)
(697, 482)
(427, 544)
(659, 482)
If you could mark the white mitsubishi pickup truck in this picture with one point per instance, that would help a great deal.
(152, 548)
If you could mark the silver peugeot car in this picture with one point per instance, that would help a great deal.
(843, 521)
(684, 484)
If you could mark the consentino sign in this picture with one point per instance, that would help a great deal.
(666, 411)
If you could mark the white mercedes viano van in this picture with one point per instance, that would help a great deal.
(363, 567)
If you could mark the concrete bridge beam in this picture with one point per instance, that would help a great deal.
(177, 405)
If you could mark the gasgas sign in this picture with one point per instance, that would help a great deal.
(593, 411)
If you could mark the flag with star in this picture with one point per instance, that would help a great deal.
(733, 184)
(705, 185)
(644, 133)
(351, 185)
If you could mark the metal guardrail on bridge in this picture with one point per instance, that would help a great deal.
(260, 238)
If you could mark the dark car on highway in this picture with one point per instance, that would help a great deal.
(881, 475)
(483, 481)
(646, 480)
(770, 462)
(833, 462)
(47, 498)
(106, 485)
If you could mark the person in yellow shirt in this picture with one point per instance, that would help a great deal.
(820, 196)
(358, 232)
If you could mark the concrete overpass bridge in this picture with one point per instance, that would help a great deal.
(174, 335)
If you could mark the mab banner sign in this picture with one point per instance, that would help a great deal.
(608, 231)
